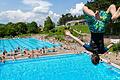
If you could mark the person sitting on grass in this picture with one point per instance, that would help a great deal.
(97, 22)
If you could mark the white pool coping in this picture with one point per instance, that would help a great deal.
(110, 63)
(106, 61)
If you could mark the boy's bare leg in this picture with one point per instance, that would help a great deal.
(111, 9)
(67, 32)
(116, 15)
(88, 11)
(91, 13)
(110, 45)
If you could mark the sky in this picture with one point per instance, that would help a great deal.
(37, 10)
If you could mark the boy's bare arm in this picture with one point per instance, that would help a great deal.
(67, 32)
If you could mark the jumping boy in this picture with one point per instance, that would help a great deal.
(97, 22)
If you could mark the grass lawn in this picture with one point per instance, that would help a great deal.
(82, 28)
(58, 32)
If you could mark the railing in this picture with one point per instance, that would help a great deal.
(76, 21)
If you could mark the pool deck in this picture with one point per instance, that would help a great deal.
(111, 63)
(112, 59)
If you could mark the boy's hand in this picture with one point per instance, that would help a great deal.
(97, 16)
(67, 32)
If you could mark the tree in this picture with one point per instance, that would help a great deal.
(102, 4)
(32, 27)
(48, 24)
(14, 29)
(65, 18)
(2, 31)
(20, 28)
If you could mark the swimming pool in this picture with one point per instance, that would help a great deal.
(23, 43)
(61, 67)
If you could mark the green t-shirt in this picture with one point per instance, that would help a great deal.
(98, 26)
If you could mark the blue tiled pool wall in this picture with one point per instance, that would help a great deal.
(23, 43)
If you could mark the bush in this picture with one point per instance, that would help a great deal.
(116, 47)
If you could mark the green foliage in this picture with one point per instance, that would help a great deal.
(14, 29)
(32, 27)
(59, 37)
(58, 32)
(65, 18)
(1, 25)
(113, 29)
(48, 24)
(24, 35)
(116, 47)
(82, 28)
(21, 28)
(102, 4)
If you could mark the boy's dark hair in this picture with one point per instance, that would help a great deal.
(95, 59)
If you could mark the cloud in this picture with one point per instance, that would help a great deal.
(77, 10)
(40, 10)
(16, 15)
(54, 16)
(36, 3)
(20, 16)
(33, 3)
(39, 6)
(51, 13)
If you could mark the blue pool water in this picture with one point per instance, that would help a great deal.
(23, 43)
(62, 67)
